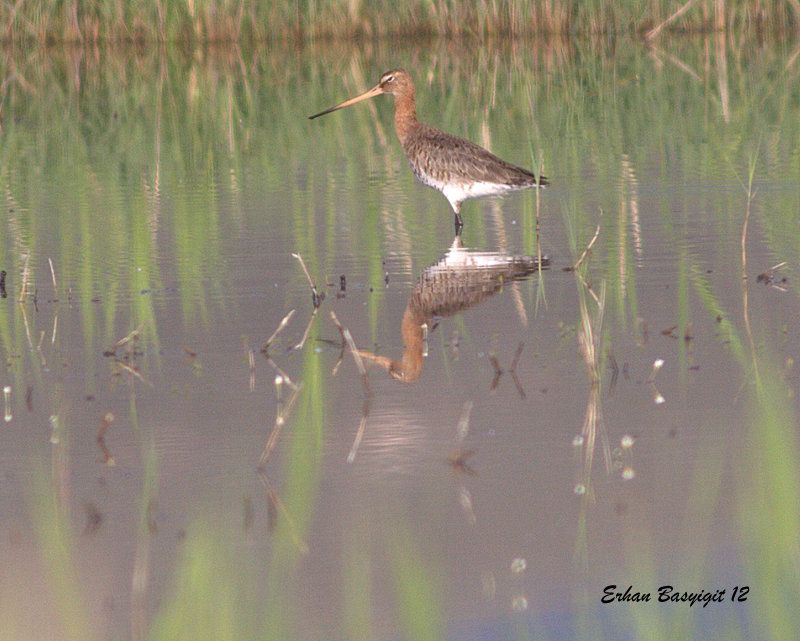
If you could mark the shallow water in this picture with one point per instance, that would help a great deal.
(170, 193)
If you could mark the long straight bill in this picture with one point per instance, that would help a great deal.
(375, 91)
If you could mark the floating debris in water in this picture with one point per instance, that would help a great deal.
(465, 499)
(55, 435)
(463, 422)
(628, 473)
(769, 278)
(128, 340)
(518, 565)
(455, 343)
(105, 423)
(7, 400)
(94, 519)
(626, 442)
(458, 461)
(657, 365)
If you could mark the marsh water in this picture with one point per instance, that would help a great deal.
(521, 438)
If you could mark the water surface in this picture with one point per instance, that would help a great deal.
(530, 454)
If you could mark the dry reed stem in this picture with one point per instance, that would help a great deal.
(53, 275)
(280, 420)
(303, 340)
(362, 426)
(351, 344)
(27, 327)
(348, 338)
(515, 359)
(278, 330)
(657, 29)
(462, 428)
(283, 374)
(588, 342)
(134, 372)
(23, 292)
(587, 250)
(39, 351)
(126, 339)
(315, 297)
(275, 502)
(745, 294)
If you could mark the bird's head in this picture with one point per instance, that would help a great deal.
(396, 82)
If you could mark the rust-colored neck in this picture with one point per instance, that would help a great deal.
(405, 114)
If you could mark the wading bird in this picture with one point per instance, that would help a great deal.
(456, 167)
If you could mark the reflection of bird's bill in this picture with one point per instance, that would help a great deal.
(393, 367)
(371, 93)
(383, 361)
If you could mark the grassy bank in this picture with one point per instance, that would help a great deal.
(200, 21)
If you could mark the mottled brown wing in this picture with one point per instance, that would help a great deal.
(445, 158)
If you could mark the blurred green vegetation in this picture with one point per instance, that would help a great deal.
(133, 153)
(231, 21)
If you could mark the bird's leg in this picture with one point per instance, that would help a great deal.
(459, 224)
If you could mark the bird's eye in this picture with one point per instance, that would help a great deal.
(389, 79)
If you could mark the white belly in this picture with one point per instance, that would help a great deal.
(458, 193)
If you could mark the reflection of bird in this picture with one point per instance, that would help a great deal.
(456, 167)
(460, 279)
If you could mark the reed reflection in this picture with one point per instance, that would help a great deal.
(460, 279)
